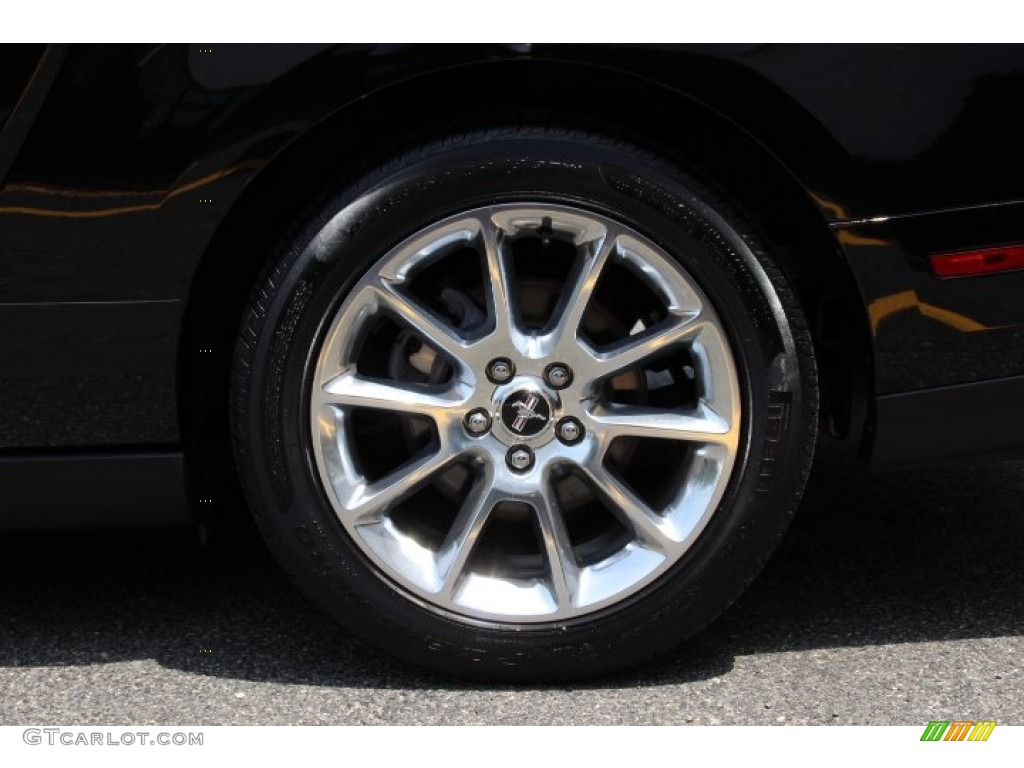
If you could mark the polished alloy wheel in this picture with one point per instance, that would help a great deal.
(512, 444)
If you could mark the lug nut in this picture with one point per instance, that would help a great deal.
(500, 370)
(519, 457)
(569, 430)
(558, 376)
(477, 421)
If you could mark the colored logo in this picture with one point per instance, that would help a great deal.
(526, 413)
(958, 730)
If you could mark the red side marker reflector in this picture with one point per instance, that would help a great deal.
(983, 261)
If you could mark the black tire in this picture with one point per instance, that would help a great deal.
(316, 266)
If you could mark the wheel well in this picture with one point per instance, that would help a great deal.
(357, 136)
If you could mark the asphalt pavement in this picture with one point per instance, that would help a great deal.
(897, 599)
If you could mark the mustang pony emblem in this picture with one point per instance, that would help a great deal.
(525, 412)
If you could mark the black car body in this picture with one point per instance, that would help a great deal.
(141, 187)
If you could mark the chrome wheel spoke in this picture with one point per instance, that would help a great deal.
(649, 529)
(464, 533)
(562, 568)
(366, 502)
(436, 333)
(499, 275)
(702, 425)
(679, 328)
(574, 304)
(354, 391)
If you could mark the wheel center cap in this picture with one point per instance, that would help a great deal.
(525, 412)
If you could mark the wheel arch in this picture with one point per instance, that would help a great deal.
(354, 137)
